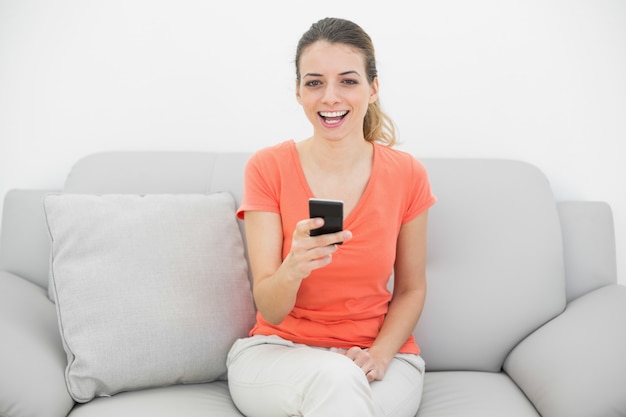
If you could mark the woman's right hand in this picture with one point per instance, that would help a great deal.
(311, 252)
(277, 280)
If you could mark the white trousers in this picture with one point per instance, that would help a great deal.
(272, 377)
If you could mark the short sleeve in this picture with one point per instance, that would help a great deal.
(261, 188)
(421, 193)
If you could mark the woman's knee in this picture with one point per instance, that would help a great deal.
(339, 376)
(337, 387)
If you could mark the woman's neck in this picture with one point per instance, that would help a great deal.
(335, 156)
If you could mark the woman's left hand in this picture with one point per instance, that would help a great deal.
(374, 368)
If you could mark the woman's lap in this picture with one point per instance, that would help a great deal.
(270, 376)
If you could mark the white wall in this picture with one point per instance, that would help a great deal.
(541, 81)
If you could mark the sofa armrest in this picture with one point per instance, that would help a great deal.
(575, 365)
(588, 246)
(32, 359)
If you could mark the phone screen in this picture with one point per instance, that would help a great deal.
(332, 213)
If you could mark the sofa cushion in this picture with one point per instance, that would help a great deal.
(473, 394)
(494, 263)
(575, 365)
(192, 400)
(150, 290)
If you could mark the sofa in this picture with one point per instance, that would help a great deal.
(121, 293)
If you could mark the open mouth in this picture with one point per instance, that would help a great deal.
(333, 117)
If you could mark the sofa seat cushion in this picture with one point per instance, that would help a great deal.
(150, 290)
(198, 400)
(473, 394)
(575, 365)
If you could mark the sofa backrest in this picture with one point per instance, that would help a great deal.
(157, 172)
(495, 261)
(24, 242)
(494, 264)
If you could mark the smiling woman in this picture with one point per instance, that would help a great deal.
(335, 90)
(327, 327)
(360, 57)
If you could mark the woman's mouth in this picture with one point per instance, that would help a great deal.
(332, 117)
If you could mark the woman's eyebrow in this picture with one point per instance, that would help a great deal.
(315, 74)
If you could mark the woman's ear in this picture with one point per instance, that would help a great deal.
(298, 92)
(374, 90)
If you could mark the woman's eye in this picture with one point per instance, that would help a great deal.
(350, 82)
(312, 83)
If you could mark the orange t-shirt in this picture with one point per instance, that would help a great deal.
(343, 304)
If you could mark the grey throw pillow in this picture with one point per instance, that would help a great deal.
(150, 290)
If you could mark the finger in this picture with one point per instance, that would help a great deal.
(304, 227)
(320, 262)
(353, 352)
(310, 257)
(301, 239)
(363, 360)
(333, 238)
(371, 375)
(310, 224)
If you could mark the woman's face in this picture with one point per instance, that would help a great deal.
(334, 91)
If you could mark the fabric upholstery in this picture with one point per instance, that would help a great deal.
(575, 366)
(589, 246)
(494, 250)
(493, 239)
(32, 359)
(473, 394)
(154, 172)
(197, 400)
(151, 290)
(24, 242)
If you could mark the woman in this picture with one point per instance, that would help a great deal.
(330, 339)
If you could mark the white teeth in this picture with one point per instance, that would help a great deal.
(333, 113)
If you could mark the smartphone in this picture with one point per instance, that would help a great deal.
(332, 213)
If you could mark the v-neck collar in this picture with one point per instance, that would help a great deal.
(366, 192)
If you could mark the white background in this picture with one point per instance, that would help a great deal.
(540, 81)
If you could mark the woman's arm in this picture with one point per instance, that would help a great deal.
(276, 282)
(406, 304)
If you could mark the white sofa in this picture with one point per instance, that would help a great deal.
(524, 316)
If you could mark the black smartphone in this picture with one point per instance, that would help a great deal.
(332, 213)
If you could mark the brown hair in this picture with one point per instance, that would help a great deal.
(377, 126)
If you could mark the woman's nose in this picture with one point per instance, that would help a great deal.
(331, 95)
